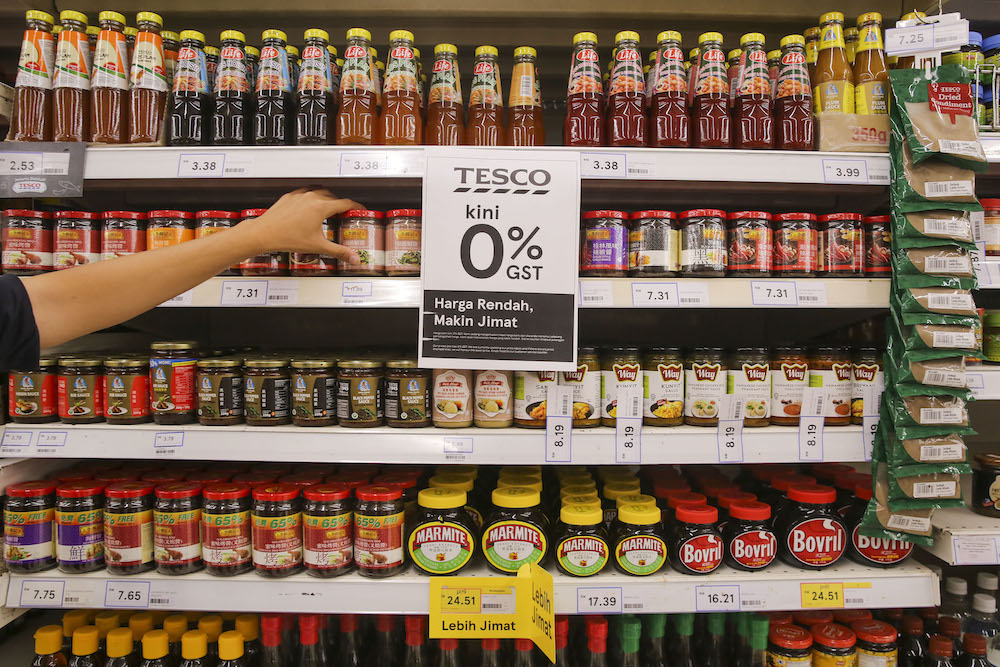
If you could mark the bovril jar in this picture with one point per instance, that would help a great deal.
(811, 535)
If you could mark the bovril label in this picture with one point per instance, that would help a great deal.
(817, 542)
(879, 550)
(754, 549)
(701, 554)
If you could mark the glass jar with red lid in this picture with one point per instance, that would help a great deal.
(697, 547)
(653, 244)
(703, 242)
(841, 245)
(328, 530)
(76, 239)
(750, 241)
(402, 241)
(123, 233)
(878, 246)
(834, 644)
(255, 478)
(303, 264)
(207, 477)
(379, 546)
(789, 644)
(795, 245)
(750, 543)
(27, 242)
(30, 507)
(877, 640)
(364, 232)
(80, 526)
(128, 527)
(213, 222)
(301, 479)
(811, 535)
(352, 478)
(269, 264)
(163, 477)
(177, 523)
(168, 228)
(277, 530)
(604, 244)
(225, 528)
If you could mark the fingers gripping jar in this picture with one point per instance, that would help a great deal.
(269, 264)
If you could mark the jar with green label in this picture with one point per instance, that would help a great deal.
(359, 393)
(407, 394)
(991, 336)
(639, 547)
(220, 392)
(266, 392)
(582, 549)
(126, 390)
(314, 392)
(516, 531)
(442, 538)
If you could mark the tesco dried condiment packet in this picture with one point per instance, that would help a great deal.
(932, 181)
(932, 224)
(913, 525)
(926, 409)
(939, 260)
(948, 372)
(926, 486)
(936, 300)
(931, 341)
(948, 448)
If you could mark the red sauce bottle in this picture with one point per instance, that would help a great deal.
(669, 122)
(485, 127)
(793, 98)
(710, 105)
(752, 103)
(626, 94)
(401, 123)
(33, 96)
(148, 101)
(109, 84)
(445, 122)
(71, 102)
(584, 124)
(525, 127)
(357, 120)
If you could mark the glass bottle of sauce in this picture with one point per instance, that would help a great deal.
(231, 92)
(830, 367)
(871, 76)
(584, 124)
(378, 77)
(148, 101)
(273, 119)
(190, 101)
(357, 119)
(401, 123)
(130, 36)
(92, 33)
(315, 106)
(33, 94)
(710, 106)
(670, 124)
(752, 103)
(211, 64)
(833, 84)
(109, 84)
(851, 43)
(445, 118)
(253, 60)
(812, 50)
(171, 48)
(485, 127)
(793, 118)
(525, 126)
(627, 93)
(71, 101)
(733, 73)
(773, 67)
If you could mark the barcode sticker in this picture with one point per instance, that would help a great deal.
(952, 227)
(948, 189)
(914, 524)
(526, 86)
(941, 416)
(357, 292)
(811, 292)
(939, 378)
(499, 603)
(958, 301)
(596, 293)
(960, 264)
(954, 452)
(729, 437)
(871, 396)
(127, 594)
(458, 449)
(934, 489)
(559, 424)
(282, 292)
(811, 424)
(693, 294)
(628, 424)
(956, 147)
(953, 339)
(182, 299)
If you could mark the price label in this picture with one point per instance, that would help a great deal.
(871, 396)
(730, 433)
(822, 596)
(21, 164)
(461, 600)
(559, 424)
(596, 294)
(201, 165)
(811, 424)
(693, 294)
(129, 594)
(773, 293)
(458, 449)
(52, 439)
(606, 600)
(370, 163)
(947, 34)
(16, 439)
(41, 593)
(811, 292)
(168, 440)
(603, 165)
(845, 171)
(244, 293)
(182, 299)
(717, 598)
(628, 424)
(655, 295)
(975, 550)
(356, 292)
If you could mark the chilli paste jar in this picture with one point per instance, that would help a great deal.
(402, 242)
(706, 378)
(314, 392)
(750, 378)
(80, 390)
(653, 244)
(811, 535)
(359, 393)
(604, 244)
(379, 539)
(830, 367)
(269, 264)
(871, 551)
(29, 519)
(168, 228)
(76, 239)
(213, 222)
(303, 265)
(32, 395)
(663, 387)
(621, 367)
(441, 533)
(407, 394)
(27, 242)
(582, 548)
(277, 530)
(123, 233)
(876, 642)
(750, 543)
(841, 248)
(452, 397)
(703, 242)
(834, 646)
(493, 405)
(128, 527)
(696, 546)
(867, 374)
(327, 530)
(638, 545)
(531, 390)
(750, 240)
(266, 392)
(225, 529)
(789, 646)
(986, 485)
(515, 532)
(80, 526)
(878, 246)
(126, 390)
(363, 232)
(795, 245)
(586, 384)
(220, 391)
(177, 526)
(172, 382)
(789, 379)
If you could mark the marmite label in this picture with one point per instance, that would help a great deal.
(817, 542)
(701, 554)
(754, 549)
(641, 555)
(879, 550)
(582, 556)
(510, 544)
(441, 547)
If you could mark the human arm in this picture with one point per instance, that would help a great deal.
(68, 304)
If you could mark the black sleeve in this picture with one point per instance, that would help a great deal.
(19, 347)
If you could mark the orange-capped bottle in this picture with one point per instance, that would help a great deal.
(669, 122)
(357, 120)
(525, 107)
(401, 123)
(109, 83)
(584, 124)
(445, 121)
(71, 101)
(627, 93)
(148, 101)
(485, 126)
(33, 86)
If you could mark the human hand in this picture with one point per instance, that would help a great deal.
(294, 223)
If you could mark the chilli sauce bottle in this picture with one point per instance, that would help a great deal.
(33, 95)
(445, 122)
(833, 84)
(793, 119)
(752, 121)
(189, 105)
(525, 126)
(710, 101)
(109, 84)
(401, 123)
(871, 76)
(485, 127)
(71, 99)
(357, 119)
(273, 119)
(231, 96)
(584, 124)
(627, 93)
(669, 122)
(148, 101)
(314, 97)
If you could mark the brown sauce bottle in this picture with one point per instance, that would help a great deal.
(109, 92)
(485, 127)
(357, 119)
(33, 94)
(71, 102)
(401, 123)
(148, 101)
(525, 126)
(445, 123)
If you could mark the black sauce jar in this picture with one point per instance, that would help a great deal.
(128, 527)
(225, 529)
(29, 521)
(277, 530)
(328, 530)
(177, 518)
(80, 526)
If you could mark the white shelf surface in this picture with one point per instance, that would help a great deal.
(984, 381)
(13, 470)
(777, 588)
(962, 537)
(335, 444)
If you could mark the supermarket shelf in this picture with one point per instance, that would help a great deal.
(594, 293)
(13, 470)
(984, 381)
(8, 616)
(988, 273)
(681, 444)
(777, 588)
(962, 537)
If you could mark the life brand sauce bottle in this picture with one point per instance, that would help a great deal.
(793, 118)
(485, 127)
(752, 120)
(148, 101)
(273, 119)
(445, 121)
(525, 126)
(833, 89)
(871, 76)
(314, 98)
(33, 94)
(71, 102)
(584, 124)
(109, 91)
(357, 119)
(231, 95)
(626, 94)
(710, 105)
(401, 123)
(189, 105)
(669, 122)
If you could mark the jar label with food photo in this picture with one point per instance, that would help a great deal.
(510, 544)
(122, 243)
(619, 375)
(753, 383)
(177, 536)
(841, 249)
(586, 384)
(76, 247)
(817, 542)
(27, 249)
(838, 382)
(866, 375)
(359, 399)
(795, 250)
(754, 549)
(654, 248)
(314, 397)
(127, 395)
(81, 395)
(164, 237)
(583, 556)
(641, 554)
(378, 541)
(788, 384)
(407, 398)
(531, 394)
(369, 242)
(172, 385)
(879, 550)
(266, 398)
(492, 396)
(277, 541)
(220, 396)
(402, 249)
(701, 554)
(605, 249)
(226, 539)
(441, 547)
(128, 538)
(32, 394)
(28, 536)
(750, 244)
(663, 391)
(703, 247)
(80, 537)
(327, 543)
(705, 385)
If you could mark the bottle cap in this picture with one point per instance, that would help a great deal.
(111, 16)
(752, 37)
(446, 48)
(638, 515)
(37, 15)
(140, 624)
(525, 51)
(440, 499)
(211, 626)
(230, 645)
(515, 497)
(194, 645)
(48, 639)
(709, 37)
(655, 624)
(635, 499)
(974, 643)
(668, 35)
(106, 621)
(293, 51)
(869, 17)
(941, 646)
(155, 644)
(631, 630)
(151, 17)
(85, 640)
(401, 34)
(984, 603)
(317, 32)
(359, 32)
(627, 35)
(986, 581)
(130, 31)
(232, 34)
(120, 643)
(247, 625)
(72, 620)
(684, 624)
(581, 515)
(833, 635)
(175, 626)
(70, 15)
(812, 494)
(584, 37)
(716, 624)
(487, 50)
(913, 625)
(956, 586)
(272, 33)
(192, 35)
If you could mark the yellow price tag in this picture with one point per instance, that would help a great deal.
(461, 600)
(822, 596)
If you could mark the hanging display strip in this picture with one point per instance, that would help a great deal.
(36, 169)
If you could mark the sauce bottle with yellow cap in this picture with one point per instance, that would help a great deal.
(516, 530)
(189, 105)
(314, 97)
(175, 625)
(871, 73)
(274, 122)
(121, 649)
(401, 124)
(72, 620)
(485, 126)
(194, 649)
(140, 624)
(627, 94)
(106, 621)
(525, 127)
(155, 649)
(48, 647)
(231, 653)
(833, 83)
(211, 625)
(248, 625)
